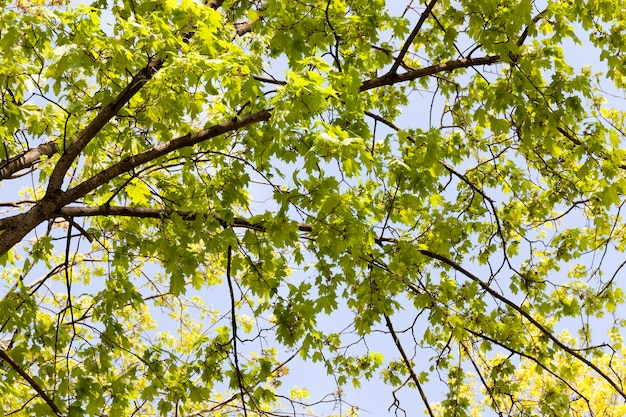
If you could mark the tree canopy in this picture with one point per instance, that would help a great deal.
(204, 201)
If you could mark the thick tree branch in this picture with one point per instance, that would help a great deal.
(526, 315)
(27, 159)
(151, 154)
(411, 38)
(98, 122)
(243, 27)
(154, 213)
(17, 227)
(107, 113)
(390, 79)
(269, 80)
(17, 368)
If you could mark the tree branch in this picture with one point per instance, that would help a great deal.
(8, 359)
(157, 151)
(409, 367)
(98, 122)
(27, 159)
(529, 357)
(243, 27)
(102, 118)
(526, 315)
(390, 79)
(154, 213)
(233, 323)
(17, 227)
(411, 38)
(524, 34)
(382, 120)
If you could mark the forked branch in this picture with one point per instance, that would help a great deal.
(390, 79)
(526, 315)
(17, 227)
(106, 114)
